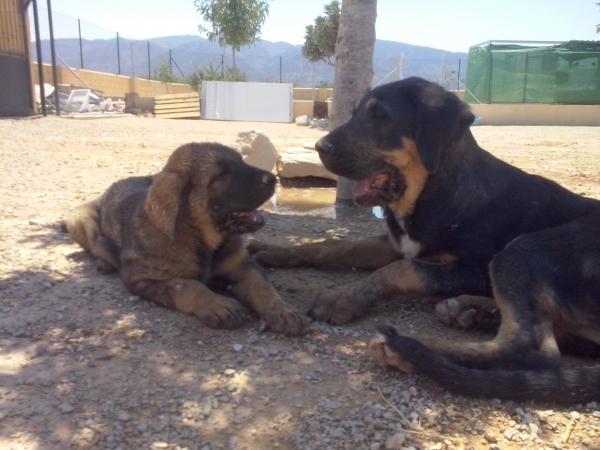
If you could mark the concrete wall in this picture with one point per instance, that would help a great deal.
(307, 94)
(116, 86)
(530, 114)
(113, 86)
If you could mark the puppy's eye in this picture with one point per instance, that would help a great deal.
(222, 175)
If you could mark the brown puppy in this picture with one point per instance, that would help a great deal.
(462, 223)
(170, 234)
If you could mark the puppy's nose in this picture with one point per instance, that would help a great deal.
(268, 179)
(323, 146)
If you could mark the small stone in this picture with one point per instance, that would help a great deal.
(533, 428)
(510, 433)
(254, 432)
(238, 347)
(65, 408)
(38, 350)
(311, 349)
(527, 418)
(490, 436)
(233, 443)
(574, 415)
(375, 446)
(229, 372)
(160, 445)
(557, 445)
(395, 442)
(123, 416)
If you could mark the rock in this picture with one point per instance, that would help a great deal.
(303, 121)
(123, 416)
(257, 149)
(490, 436)
(38, 350)
(323, 124)
(238, 347)
(65, 408)
(395, 442)
(510, 433)
(301, 162)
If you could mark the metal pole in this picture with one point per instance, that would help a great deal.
(80, 44)
(458, 77)
(401, 66)
(132, 68)
(280, 80)
(118, 55)
(38, 46)
(149, 75)
(53, 51)
(170, 63)
(222, 67)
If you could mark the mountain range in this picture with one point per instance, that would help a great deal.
(264, 61)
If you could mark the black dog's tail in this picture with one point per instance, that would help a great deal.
(551, 386)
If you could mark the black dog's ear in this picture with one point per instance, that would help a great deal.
(441, 121)
(163, 202)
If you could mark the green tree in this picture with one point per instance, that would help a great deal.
(235, 23)
(320, 38)
(164, 74)
(324, 85)
(209, 73)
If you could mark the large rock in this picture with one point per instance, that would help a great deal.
(257, 149)
(303, 121)
(301, 162)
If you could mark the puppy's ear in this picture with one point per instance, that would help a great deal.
(163, 202)
(441, 121)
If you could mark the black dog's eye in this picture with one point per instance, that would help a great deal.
(377, 113)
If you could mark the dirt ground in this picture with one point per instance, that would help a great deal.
(84, 364)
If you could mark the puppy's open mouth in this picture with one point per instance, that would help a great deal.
(245, 222)
(374, 191)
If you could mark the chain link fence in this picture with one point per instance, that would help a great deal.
(82, 45)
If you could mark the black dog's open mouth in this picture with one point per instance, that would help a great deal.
(245, 222)
(374, 191)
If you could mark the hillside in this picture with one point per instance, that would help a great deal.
(265, 61)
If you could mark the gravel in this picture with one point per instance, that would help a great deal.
(84, 364)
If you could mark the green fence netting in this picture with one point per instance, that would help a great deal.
(568, 74)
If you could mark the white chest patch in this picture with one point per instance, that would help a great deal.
(408, 247)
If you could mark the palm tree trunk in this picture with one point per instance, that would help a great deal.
(353, 69)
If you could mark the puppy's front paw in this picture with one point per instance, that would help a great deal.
(286, 320)
(336, 307)
(386, 357)
(222, 313)
(257, 246)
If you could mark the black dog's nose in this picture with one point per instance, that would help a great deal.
(268, 179)
(323, 146)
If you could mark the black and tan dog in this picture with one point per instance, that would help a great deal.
(172, 233)
(462, 222)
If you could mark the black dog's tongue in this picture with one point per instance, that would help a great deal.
(372, 191)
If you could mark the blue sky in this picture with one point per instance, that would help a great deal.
(449, 25)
